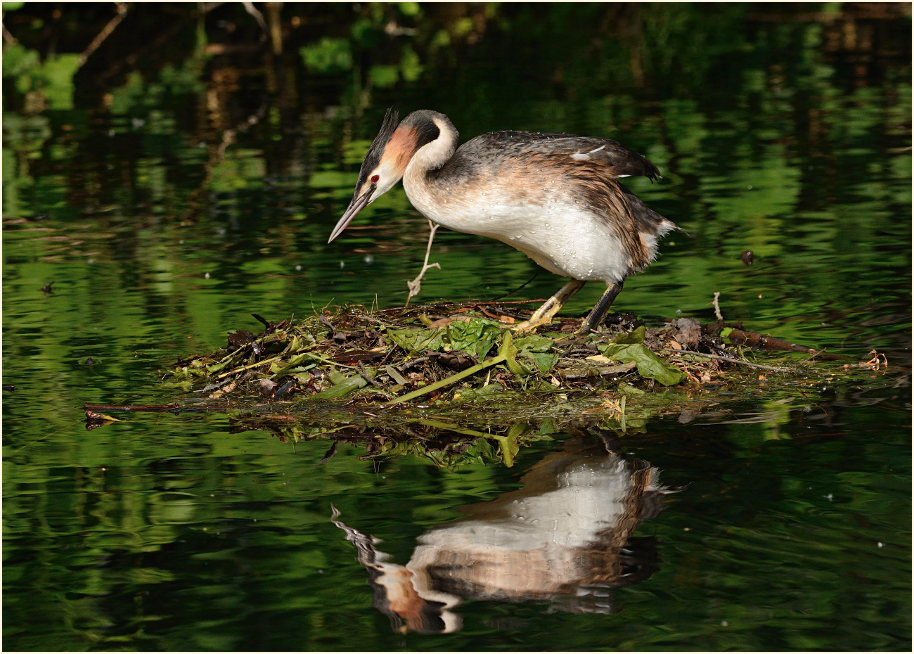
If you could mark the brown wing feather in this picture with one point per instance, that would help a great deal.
(622, 210)
(590, 165)
(616, 159)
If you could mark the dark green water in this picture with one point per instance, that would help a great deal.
(790, 524)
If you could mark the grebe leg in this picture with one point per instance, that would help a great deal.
(598, 313)
(545, 314)
(415, 285)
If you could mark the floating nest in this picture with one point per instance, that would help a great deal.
(446, 353)
(453, 383)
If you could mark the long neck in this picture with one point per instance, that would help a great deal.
(437, 152)
(425, 191)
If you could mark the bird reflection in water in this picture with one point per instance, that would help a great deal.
(565, 537)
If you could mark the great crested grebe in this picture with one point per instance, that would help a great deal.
(554, 197)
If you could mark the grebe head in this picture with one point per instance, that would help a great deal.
(387, 159)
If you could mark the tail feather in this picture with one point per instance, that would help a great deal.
(646, 219)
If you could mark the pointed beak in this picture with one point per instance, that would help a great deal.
(355, 206)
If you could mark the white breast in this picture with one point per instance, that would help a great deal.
(557, 232)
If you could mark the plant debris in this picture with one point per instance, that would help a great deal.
(445, 353)
(450, 382)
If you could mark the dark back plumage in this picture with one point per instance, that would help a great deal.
(618, 160)
(595, 164)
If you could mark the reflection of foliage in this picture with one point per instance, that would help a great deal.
(171, 82)
(329, 55)
(676, 46)
(445, 444)
(335, 55)
(49, 81)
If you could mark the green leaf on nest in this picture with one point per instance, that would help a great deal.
(536, 348)
(509, 352)
(649, 364)
(475, 336)
(508, 448)
(415, 340)
(634, 336)
(342, 385)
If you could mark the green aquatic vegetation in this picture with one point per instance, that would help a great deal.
(439, 357)
(438, 382)
(388, 358)
(474, 336)
(650, 366)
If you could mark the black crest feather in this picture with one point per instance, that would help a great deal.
(373, 157)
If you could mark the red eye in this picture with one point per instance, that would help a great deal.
(375, 178)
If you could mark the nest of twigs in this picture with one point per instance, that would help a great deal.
(448, 352)
(453, 382)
